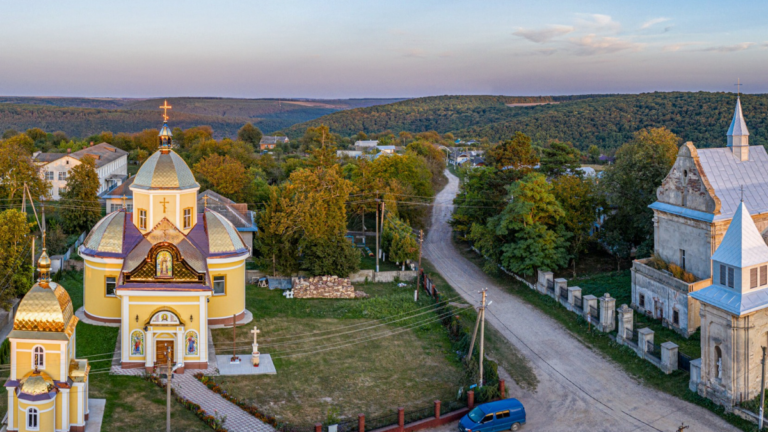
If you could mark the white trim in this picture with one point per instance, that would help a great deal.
(164, 191)
(13, 361)
(123, 292)
(226, 268)
(150, 223)
(99, 316)
(100, 260)
(80, 401)
(125, 319)
(10, 406)
(64, 408)
(40, 402)
(228, 260)
(46, 351)
(163, 303)
(178, 204)
(203, 340)
(43, 341)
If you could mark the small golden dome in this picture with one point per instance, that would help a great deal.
(222, 235)
(44, 263)
(36, 383)
(46, 310)
(107, 235)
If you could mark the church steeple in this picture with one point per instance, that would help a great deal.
(738, 136)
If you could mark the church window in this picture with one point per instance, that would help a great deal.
(753, 277)
(33, 420)
(110, 284)
(187, 218)
(763, 275)
(38, 357)
(718, 363)
(642, 300)
(676, 317)
(682, 259)
(731, 276)
(142, 219)
(722, 275)
(219, 285)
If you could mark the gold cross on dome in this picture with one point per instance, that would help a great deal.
(123, 201)
(738, 86)
(164, 202)
(165, 108)
(205, 201)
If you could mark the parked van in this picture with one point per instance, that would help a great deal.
(506, 414)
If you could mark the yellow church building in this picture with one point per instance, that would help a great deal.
(48, 386)
(166, 270)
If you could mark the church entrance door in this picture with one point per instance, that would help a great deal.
(162, 347)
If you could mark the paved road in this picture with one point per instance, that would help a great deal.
(579, 390)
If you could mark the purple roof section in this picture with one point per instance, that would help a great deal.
(154, 286)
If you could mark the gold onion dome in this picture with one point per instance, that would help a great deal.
(45, 309)
(164, 171)
(36, 383)
(222, 235)
(44, 263)
(165, 131)
(107, 235)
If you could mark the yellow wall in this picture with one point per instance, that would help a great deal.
(186, 200)
(73, 401)
(23, 359)
(233, 302)
(140, 201)
(96, 300)
(184, 311)
(46, 418)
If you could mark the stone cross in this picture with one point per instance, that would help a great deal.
(255, 332)
(255, 356)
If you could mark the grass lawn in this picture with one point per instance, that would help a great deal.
(327, 359)
(132, 403)
(369, 263)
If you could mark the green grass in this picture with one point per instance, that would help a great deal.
(369, 263)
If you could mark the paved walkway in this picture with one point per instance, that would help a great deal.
(95, 414)
(579, 389)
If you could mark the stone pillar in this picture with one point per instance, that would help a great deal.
(573, 293)
(607, 317)
(625, 315)
(588, 301)
(645, 336)
(668, 357)
(559, 283)
(437, 410)
(693, 384)
(543, 278)
(471, 399)
(361, 423)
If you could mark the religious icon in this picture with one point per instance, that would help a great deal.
(137, 343)
(164, 264)
(164, 317)
(191, 343)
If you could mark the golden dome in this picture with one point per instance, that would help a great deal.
(222, 235)
(44, 263)
(46, 310)
(164, 171)
(36, 383)
(107, 235)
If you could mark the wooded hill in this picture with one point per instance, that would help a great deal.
(607, 121)
(80, 117)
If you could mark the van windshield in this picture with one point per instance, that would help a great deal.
(476, 415)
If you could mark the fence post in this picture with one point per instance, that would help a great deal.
(625, 314)
(588, 301)
(437, 409)
(471, 399)
(502, 388)
(560, 283)
(607, 318)
(361, 423)
(669, 357)
(318, 427)
(401, 419)
(645, 335)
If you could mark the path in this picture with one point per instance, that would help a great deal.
(579, 389)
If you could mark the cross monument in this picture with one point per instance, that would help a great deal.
(255, 354)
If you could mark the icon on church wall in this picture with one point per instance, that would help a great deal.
(191, 343)
(137, 343)
(164, 264)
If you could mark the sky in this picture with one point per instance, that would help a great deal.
(354, 49)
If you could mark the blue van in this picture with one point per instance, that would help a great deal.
(506, 414)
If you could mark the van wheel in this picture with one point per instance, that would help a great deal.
(515, 427)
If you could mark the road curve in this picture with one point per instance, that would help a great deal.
(579, 389)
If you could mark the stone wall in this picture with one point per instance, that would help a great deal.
(385, 276)
(323, 287)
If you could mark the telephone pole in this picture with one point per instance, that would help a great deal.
(377, 231)
(762, 393)
(482, 336)
(168, 391)
(421, 242)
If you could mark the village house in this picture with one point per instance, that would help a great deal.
(119, 196)
(268, 142)
(111, 166)
(366, 146)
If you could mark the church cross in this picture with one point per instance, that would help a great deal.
(738, 86)
(165, 108)
(205, 201)
(123, 201)
(255, 332)
(164, 202)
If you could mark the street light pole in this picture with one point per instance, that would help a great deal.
(482, 336)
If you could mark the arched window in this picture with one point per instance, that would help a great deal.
(33, 419)
(718, 362)
(38, 357)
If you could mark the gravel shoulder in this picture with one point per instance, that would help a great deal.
(579, 389)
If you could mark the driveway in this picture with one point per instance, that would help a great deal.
(579, 389)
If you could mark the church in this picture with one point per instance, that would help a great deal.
(166, 270)
(696, 203)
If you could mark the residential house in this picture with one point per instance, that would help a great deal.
(111, 166)
(388, 149)
(366, 146)
(122, 194)
(268, 142)
(237, 214)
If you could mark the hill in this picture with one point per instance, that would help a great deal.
(607, 121)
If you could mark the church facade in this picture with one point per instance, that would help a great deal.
(166, 270)
(695, 205)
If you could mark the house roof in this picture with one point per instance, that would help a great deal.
(102, 153)
(269, 139)
(367, 143)
(124, 189)
(732, 301)
(237, 214)
(742, 245)
(49, 157)
(727, 174)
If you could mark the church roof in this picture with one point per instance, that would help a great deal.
(222, 235)
(107, 235)
(738, 125)
(166, 232)
(742, 245)
(732, 301)
(36, 383)
(164, 171)
(44, 310)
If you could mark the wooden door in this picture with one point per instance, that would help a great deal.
(162, 352)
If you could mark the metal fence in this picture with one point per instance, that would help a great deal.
(683, 362)
(594, 312)
(564, 293)
(653, 349)
(578, 301)
(551, 286)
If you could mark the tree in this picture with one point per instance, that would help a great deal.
(17, 168)
(630, 185)
(250, 134)
(560, 158)
(594, 154)
(514, 155)
(225, 175)
(398, 241)
(79, 204)
(482, 195)
(335, 256)
(22, 141)
(315, 137)
(583, 204)
(16, 274)
(36, 134)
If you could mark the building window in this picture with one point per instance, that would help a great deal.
(38, 357)
(62, 175)
(110, 284)
(129, 207)
(33, 420)
(763, 275)
(753, 278)
(682, 259)
(642, 301)
(142, 219)
(676, 318)
(731, 276)
(722, 275)
(187, 218)
(219, 285)
(49, 175)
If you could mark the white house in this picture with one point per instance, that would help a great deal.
(111, 166)
(368, 145)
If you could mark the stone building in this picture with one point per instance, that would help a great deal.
(694, 207)
(734, 314)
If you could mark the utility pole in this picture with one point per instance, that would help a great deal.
(474, 336)
(482, 336)
(762, 393)
(168, 391)
(377, 231)
(421, 242)
(24, 199)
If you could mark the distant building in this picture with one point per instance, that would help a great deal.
(368, 145)
(111, 166)
(113, 199)
(269, 142)
(389, 149)
(237, 214)
(349, 153)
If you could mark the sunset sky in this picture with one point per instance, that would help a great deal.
(340, 49)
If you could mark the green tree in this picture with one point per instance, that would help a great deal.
(482, 195)
(250, 134)
(225, 175)
(583, 204)
(36, 134)
(335, 256)
(22, 141)
(79, 204)
(559, 159)
(515, 155)
(594, 154)
(17, 168)
(316, 137)
(15, 249)
(398, 241)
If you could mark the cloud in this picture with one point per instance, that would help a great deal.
(598, 22)
(730, 48)
(545, 34)
(653, 22)
(592, 44)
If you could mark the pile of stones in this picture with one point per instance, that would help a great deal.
(323, 287)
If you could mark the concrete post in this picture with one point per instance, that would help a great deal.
(693, 384)
(559, 283)
(625, 316)
(668, 357)
(573, 293)
(588, 301)
(502, 388)
(471, 399)
(437, 410)
(645, 336)
(607, 313)
(361, 423)
(543, 278)
(401, 419)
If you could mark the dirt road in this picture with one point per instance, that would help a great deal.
(579, 390)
